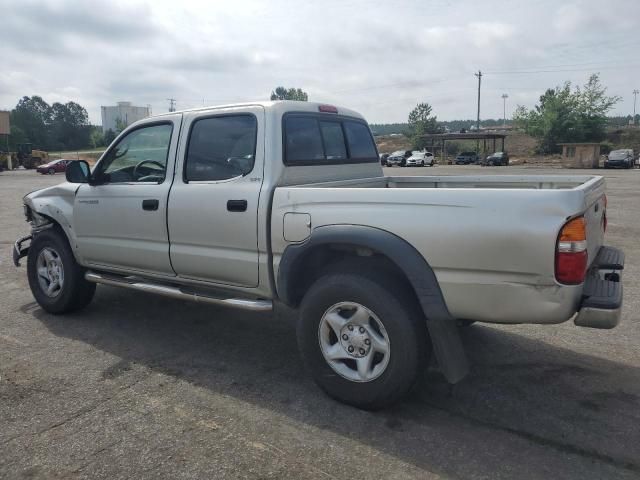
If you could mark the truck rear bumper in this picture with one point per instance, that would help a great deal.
(601, 304)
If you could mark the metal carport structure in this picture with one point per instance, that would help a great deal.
(442, 139)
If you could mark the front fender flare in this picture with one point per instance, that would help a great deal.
(442, 326)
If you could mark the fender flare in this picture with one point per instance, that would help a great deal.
(442, 327)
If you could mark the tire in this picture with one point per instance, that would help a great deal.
(50, 250)
(422, 164)
(51, 171)
(463, 323)
(390, 313)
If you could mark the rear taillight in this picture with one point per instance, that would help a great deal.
(571, 252)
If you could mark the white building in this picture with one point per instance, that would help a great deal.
(123, 112)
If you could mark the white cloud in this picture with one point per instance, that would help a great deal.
(378, 57)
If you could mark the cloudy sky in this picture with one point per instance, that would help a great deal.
(378, 57)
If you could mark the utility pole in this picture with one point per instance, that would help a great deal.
(172, 104)
(504, 109)
(635, 96)
(479, 75)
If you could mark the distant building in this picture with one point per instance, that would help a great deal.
(123, 113)
(580, 155)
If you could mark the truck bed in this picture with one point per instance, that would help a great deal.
(487, 238)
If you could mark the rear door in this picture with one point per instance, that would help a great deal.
(213, 208)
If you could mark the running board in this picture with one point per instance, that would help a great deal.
(175, 292)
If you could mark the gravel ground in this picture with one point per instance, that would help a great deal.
(138, 386)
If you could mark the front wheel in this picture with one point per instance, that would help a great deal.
(52, 171)
(55, 278)
(363, 339)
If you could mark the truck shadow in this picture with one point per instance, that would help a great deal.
(522, 395)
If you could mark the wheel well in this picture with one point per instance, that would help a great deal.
(344, 258)
(55, 225)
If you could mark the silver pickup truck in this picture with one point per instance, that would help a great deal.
(250, 205)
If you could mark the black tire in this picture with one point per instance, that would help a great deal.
(52, 171)
(463, 323)
(402, 318)
(76, 292)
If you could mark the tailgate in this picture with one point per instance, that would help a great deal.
(594, 215)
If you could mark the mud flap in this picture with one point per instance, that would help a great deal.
(448, 349)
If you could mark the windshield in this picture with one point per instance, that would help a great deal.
(618, 155)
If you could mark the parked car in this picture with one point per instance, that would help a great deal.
(420, 159)
(304, 216)
(383, 159)
(467, 158)
(497, 158)
(399, 157)
(623, 158)
(56, 166)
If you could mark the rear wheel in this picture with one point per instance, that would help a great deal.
(362, 338)
(55, 278)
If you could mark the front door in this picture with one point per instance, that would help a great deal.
(213, 213)
(121, 221)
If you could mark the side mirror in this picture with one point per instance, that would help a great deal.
(78, 172)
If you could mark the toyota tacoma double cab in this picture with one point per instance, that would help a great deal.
(253, 205)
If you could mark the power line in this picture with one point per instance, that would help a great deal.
(525, 72)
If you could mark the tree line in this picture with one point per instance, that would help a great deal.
(563, 114)
(60, 126)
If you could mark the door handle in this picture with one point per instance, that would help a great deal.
(150, 204)
(237, 205)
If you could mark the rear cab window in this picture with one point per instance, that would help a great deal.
(326, 139)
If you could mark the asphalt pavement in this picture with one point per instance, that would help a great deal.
(140, 386)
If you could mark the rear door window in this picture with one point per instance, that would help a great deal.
(221, 147)
(317, 140)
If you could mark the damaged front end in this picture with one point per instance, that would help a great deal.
(21, 245)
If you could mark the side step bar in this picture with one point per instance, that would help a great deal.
(175, 292)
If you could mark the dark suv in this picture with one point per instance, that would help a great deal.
(398, 157)
(467, 158)
(619, 159)
(497, 158)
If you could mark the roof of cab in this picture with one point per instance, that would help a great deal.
(278, 106)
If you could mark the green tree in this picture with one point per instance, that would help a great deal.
(422, 122)
(567, 115)
(96, 137)
(32, 116)
(16, 136)
(69, 127)
(282, 93)
(109, 136)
